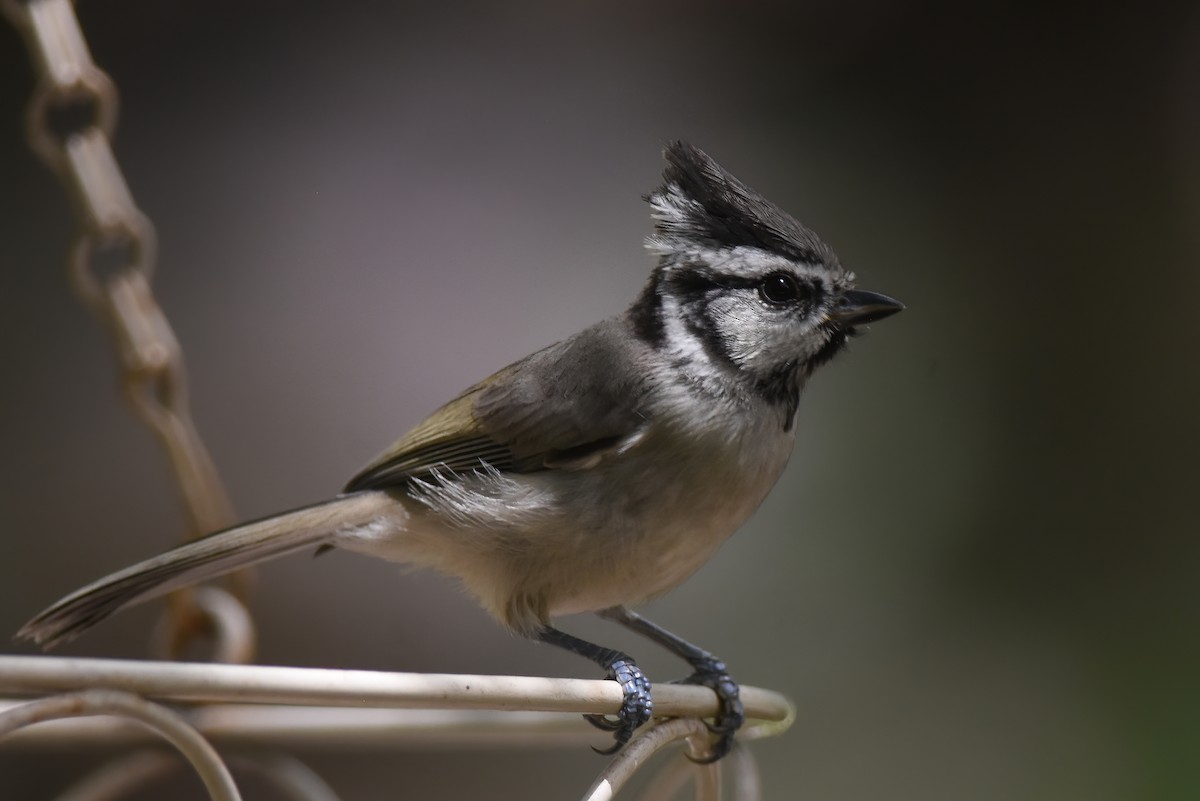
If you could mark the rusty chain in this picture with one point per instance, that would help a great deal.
(71, 119)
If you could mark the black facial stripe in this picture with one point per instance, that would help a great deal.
(700, 325)
(689, 285)
(691, 289)
(696, 284)
(646, 314)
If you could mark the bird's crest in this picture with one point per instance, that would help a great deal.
(700, 203)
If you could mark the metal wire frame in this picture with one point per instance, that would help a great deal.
(287, 707)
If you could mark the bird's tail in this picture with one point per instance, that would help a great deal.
(200, 560)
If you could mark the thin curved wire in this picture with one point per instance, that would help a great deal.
(226, 621)
(117, 779)
(746, 784)
(202, 756)
(667, 783)
(641, 748)
(740, 766)
(288, 774)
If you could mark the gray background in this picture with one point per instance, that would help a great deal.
(977, 578)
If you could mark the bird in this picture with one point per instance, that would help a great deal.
(600, 472)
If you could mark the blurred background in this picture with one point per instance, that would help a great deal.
(978, 577)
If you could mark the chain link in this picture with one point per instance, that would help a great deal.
(71, 119)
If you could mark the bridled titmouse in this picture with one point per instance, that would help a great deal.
(601, 471)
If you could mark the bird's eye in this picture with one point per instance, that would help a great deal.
(779, 289)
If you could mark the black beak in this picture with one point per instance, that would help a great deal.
(859, 307)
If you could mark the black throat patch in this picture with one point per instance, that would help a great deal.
(781, 389)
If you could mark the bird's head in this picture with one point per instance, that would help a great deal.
(741, 283)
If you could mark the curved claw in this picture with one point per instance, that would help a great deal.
(603, 722)
(730, 712)
(614, 748)
(636, 708)
(720, 748)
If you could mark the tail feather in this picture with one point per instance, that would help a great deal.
(200, 560)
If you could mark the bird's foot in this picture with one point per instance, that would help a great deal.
(711, 673)
(636, 709)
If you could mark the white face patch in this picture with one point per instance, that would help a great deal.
(743, 292)
(726, 339)
(682, 344)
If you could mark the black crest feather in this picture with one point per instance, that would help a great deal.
(700, 201)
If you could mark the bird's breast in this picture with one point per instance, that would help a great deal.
(650, 518)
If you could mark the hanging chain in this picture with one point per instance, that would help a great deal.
(71, 119)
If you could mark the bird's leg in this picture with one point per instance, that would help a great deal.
(709, 672)
(637, 706)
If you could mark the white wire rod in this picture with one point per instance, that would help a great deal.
(327, 729)
(162, 721)
(194, 682)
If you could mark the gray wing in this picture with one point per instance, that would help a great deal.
(567, 407)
